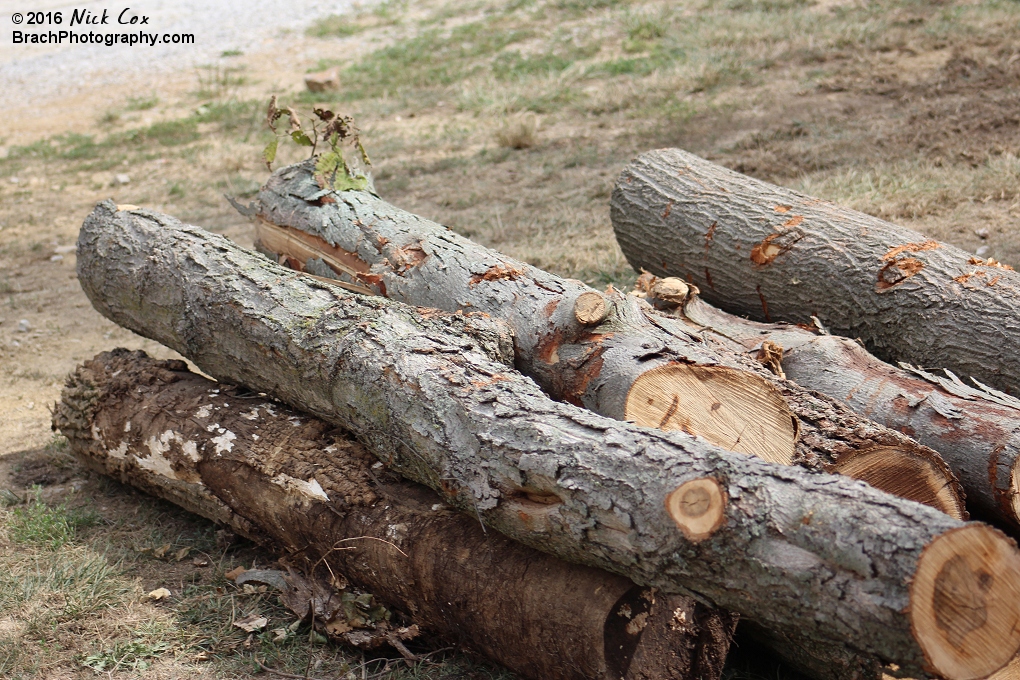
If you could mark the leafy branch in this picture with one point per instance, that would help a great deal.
(332, 169)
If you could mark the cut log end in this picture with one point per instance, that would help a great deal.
(698, 507)
(963, 602)
(737, 410)
(904, 474)
(590, 308)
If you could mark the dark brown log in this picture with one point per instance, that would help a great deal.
(977, 431)
(773, 254)
(293, 481)
(599, 350)
(818, 556)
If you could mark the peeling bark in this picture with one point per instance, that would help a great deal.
(818, 556)
(294, 481)
(774, 254)
(599, 350)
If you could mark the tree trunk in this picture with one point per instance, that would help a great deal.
(774, 254)
(588, 348)
(819, 556)
(976, 431)
(291, 480)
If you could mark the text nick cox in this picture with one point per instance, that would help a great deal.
(86, 17)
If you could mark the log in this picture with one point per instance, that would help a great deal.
(598, 350)
(774, 254)
(292, 481)
(819, 556)
(977, 431)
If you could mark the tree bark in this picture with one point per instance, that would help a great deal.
(819, 556)
(293, 481)
(598, 350)
(774, 254)
(977, 431)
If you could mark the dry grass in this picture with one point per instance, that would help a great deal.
(518, 132)
(902, 109)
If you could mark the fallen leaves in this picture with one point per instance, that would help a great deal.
(234, 573)
(163, 552)
(252, 623)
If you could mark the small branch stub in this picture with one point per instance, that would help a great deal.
(670, 292)
(698, 507)
(590, 308)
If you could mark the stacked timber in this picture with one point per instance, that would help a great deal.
(593, 349)
(828, 567)
(771, 253)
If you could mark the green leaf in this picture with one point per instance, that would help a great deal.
(331, 172)
(301, 138)
(269, 153)
(325, 168)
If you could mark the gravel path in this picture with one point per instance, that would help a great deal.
(31, 73)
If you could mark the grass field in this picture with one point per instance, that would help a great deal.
(508, 122)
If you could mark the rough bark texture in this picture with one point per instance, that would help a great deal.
(774, 254)
(296, 482)
(821, 556)
(976, 431)
(609, 362)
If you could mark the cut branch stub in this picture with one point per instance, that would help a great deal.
(964, 595)
(902, 473)
(590, 308)
(698, 507)
(734, 409)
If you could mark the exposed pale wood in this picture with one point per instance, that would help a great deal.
(823, 557)
(698, 507)
(898, 472)
(734, 409)
(296, 244)
(590, 308)
(959, 607)
(601, 367)
(293, 481)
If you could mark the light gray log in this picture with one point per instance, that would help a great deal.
(599, 350)
(774, 254)
(819, 556)
(294, 482)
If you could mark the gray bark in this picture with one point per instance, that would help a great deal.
(408, 258)
(291, 481)
(819, 556)
(774, 254)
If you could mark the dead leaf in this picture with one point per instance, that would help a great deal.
(159, 594)
(252, 623)
(234, 573)
(337, 627)
(201, 656)
(200, 562)
(161, 551)
(279, 634)
(181, 554)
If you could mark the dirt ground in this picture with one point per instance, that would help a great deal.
(508, 123)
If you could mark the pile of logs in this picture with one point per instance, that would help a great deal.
(578, 483)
